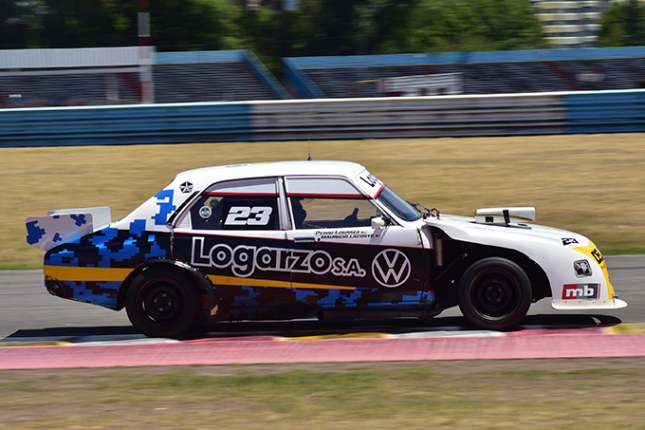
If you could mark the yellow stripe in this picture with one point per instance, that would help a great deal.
(587, 250)
(233, 281)
(321, 286)
(625, 328)
(34, 344)
(101, 274)
(337, 336)
(91, 274)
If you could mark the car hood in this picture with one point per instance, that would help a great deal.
(516, 236)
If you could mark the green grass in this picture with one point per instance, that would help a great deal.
(591, 184)
(624, 251)
(451, 395)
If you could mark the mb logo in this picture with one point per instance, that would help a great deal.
(391, 268)
(580, 291)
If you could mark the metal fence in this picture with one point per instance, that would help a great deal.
(484, 115)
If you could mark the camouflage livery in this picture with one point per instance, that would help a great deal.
(108, 248)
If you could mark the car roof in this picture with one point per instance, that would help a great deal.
(280, 168)
(187, 183)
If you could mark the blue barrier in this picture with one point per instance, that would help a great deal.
(606, 111)
(463, 115)
(185, 57)
(171, 123)
(323, 62)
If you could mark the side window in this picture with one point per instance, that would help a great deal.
(239, 205)
(320, 212)
(328, 203)
(206, 213)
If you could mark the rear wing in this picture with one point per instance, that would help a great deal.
(64, 225)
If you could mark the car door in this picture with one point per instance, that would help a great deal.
(339, 257)
(232, 232)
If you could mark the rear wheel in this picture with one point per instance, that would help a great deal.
(162, 303)
(495, 294)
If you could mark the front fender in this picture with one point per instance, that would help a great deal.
(562, 255)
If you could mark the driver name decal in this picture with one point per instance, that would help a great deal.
(346, 234)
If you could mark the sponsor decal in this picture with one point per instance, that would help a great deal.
(244, 260)
(580, 291)
(370, 180)
(205, 212)
(597, 255)
(186, 187)
(568, 241)
(582, 268)
(391, 268)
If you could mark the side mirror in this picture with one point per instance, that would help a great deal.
(379, 222)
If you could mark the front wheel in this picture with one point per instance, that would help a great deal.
(494, 294)
(162, 303)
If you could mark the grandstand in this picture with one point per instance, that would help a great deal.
(482, 73)
(213, 76)
(65, 77)
(98, 76)
(45, 77)
(47, 89)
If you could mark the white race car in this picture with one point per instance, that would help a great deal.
(301, 239)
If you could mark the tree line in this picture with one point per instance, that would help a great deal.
(316, 27)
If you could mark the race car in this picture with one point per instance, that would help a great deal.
(305, 239)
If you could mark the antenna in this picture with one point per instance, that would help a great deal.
(308, 149)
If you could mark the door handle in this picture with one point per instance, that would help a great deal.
(305, 239)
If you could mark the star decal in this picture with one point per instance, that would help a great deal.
(186, 187)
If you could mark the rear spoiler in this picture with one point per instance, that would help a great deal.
(65, 225)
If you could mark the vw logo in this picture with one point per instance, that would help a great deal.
(391, 268)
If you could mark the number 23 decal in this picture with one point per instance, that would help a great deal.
(244, 215)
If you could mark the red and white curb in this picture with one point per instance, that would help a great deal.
(624, 340)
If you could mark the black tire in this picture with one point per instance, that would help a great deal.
(162, 303)
(494, 294)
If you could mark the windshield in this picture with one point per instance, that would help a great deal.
(397, 205)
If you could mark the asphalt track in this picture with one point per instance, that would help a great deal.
(41, 331)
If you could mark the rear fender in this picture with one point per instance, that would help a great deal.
(209, 296)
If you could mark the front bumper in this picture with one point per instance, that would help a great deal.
(563, 305)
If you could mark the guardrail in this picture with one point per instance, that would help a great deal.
(464, 115)
(606, 111)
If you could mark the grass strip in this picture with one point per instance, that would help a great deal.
(528, 394)
(591, 184)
